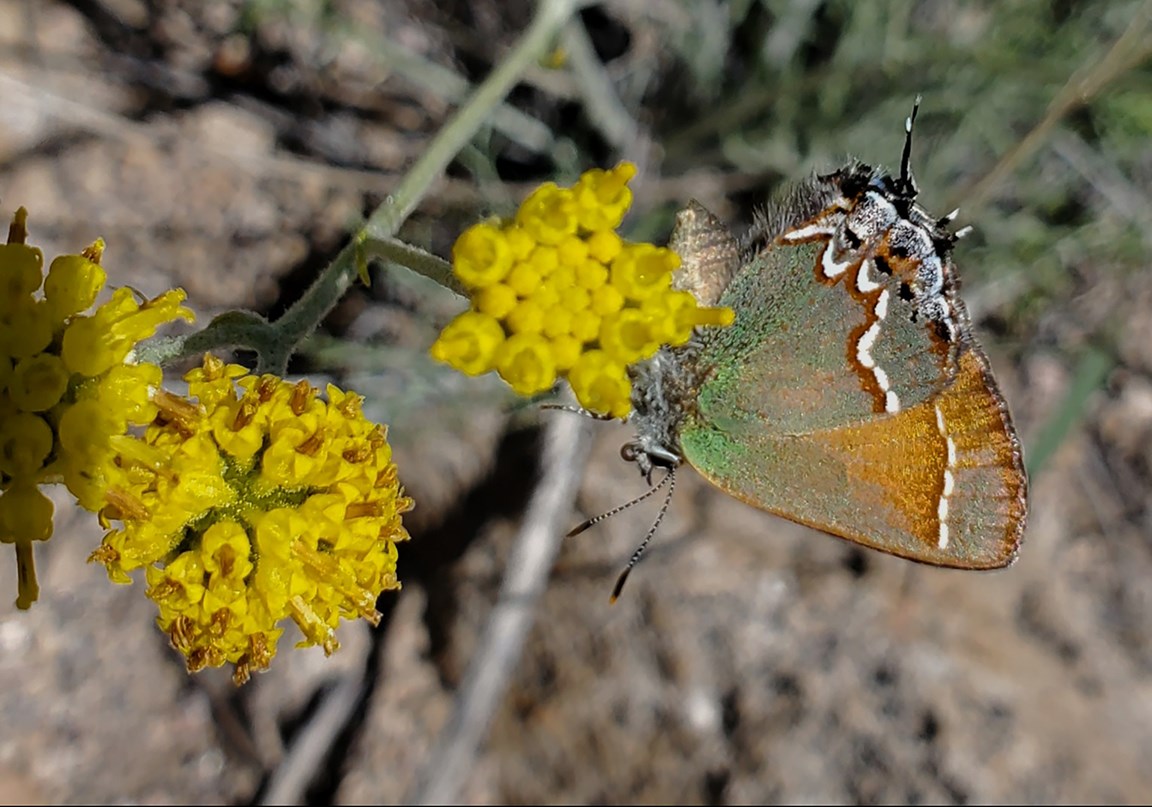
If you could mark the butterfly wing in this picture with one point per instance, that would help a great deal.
(849, 394)
(941, 482)
(844, 315)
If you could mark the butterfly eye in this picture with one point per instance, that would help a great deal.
(629, 452)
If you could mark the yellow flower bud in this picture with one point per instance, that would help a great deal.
(469, 343)
(549, 214)
(38, 382)
(603, 197)
(72, 285)
(25, 442)
(481, 256)
(526, 363)
(601, 384)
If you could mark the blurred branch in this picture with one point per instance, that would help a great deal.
(550, 18)
(448, 85)
(451, 760)
(89, 118)
(385, 221)
(1125, 198)
(597, 91)
(288, 783)
(1130, 50)
(1089, 375)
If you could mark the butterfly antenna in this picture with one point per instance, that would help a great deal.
(623, 578)
(907, 181)
(592, 522)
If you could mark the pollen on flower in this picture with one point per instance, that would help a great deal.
(259, 502)
(67, 389)
(557, 293)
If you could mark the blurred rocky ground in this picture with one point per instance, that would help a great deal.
(227, 147)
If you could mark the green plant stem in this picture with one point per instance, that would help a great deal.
(551, 17)
(412, 257)
(276, 342)
(302, 318)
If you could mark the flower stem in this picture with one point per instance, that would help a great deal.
(299, 320)
(412, 257)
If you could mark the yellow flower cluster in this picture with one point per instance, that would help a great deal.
(257, 502)
(557, 293)
(67, 384)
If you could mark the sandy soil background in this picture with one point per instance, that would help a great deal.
(228, 147)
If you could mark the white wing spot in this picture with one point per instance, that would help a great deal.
(811, 231)
(868, 361)
(864, 282)
(881, 378)
(948, 484)
(864, 346)
(881, 309)
(831, 267)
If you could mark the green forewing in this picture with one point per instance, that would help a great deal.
(789, 363)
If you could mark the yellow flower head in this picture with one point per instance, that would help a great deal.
(255, 502)
(67, 384)
(557, 293)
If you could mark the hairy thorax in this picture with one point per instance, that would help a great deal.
(664, 392)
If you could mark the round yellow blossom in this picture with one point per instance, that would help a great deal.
(628, 336)
(549, 214)
(603, 197)
(591, 275)
(234, 540)
(601, 384)
(497, 300)
(604, 246)
(73, 282)
(641, 271)
(469, 342)
(519, 241)
(528, 317)
(25, 442)
(67, 389)
(572, 251)
(545, 260)
(558, 321)
(525, 278)
(566, 351)
(38, 382)
(545, 297)
(526, 362)
(25, 328)
(607, 300)
(481, 256)
(586, 327)
(557, 293)
(25, 516)
(22, 274)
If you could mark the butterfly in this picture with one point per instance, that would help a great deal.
(850, 394)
